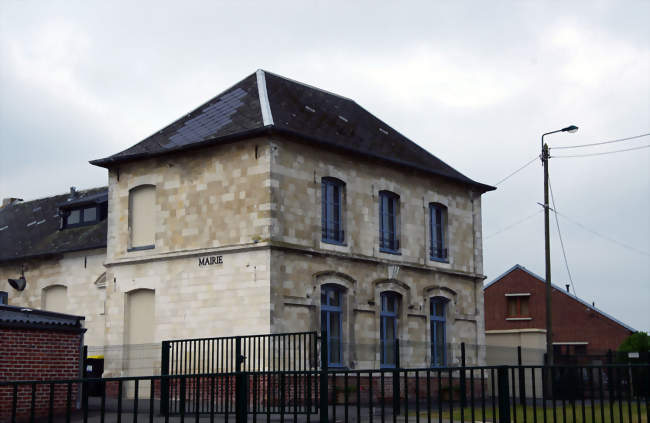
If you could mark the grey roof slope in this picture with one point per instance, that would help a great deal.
(543, 280)
(264, 102)
(31, 228)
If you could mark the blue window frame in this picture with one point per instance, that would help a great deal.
(438, 223)
(388, 229)
(438, 331)
(388, 327)
(331, 322)
(332, 214)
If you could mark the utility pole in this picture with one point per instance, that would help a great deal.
(547, 248)
(547, 242)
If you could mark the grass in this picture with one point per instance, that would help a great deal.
(531, 413)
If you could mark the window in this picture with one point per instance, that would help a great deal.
(438, 225)
(330, 319)
(55, 298)
(437, 321)
(518, 306)
(142, 222)
(388, 327)
(84, 215)
(332, 214)
(388, 218)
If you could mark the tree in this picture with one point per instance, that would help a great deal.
(637, 342)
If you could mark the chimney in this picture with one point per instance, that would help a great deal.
(567, 287)
(73, 193)
(10, 201)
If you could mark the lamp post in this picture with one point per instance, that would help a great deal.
(549, 325)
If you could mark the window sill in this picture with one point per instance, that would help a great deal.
(519, 318)
(387, 251)
(144, 247)
(333, 242)
(439, 259)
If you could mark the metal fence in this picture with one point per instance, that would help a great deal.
(609, 393)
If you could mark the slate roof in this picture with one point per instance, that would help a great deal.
(32, 318)
(31, 228)
(266, 103)
(557, 288)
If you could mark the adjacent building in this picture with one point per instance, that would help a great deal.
(280, 207)
(515, 315)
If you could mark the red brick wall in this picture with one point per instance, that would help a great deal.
(27, 354)
(573, 321)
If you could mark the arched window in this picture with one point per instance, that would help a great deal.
(331, 299)
(142, 217)
(332, 210)
(437, 319)
(438, 227)
(55, 298)
(389, 317)
(388, 222)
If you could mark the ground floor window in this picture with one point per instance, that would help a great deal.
(388, 327)
(437, 321)
(331, 322)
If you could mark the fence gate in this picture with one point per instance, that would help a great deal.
(270, 370)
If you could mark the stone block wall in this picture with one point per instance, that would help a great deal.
(83, 275)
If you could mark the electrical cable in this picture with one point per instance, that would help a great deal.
(620, 244)
(557, 223)
(514, 224)
(603, 142)
(600, 154)
(517, 171)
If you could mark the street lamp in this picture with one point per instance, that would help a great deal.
(549, 327)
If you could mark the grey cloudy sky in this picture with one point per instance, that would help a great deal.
(476, 83)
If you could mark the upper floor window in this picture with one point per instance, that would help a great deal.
(388, 222)
(518, 305)
(332, 214)
(388, 327)
(437, 319)
(142, 219)
(438, 225)
(85, 215)
(331, 322)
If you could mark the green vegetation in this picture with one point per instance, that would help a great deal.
(637, 342)
(518, 413)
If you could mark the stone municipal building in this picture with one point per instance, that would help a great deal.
(274, 207)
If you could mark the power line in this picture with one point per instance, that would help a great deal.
(517, 171)
(557, 222)
(600, 154)
(603, 142)
(629, 247)
(514, 224)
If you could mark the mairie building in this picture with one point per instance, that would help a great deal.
(274, 207)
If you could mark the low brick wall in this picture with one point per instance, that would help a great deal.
(35, 354)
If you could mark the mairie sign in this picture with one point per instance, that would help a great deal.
(210, 260)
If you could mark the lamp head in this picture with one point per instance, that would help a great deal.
(570, 129)
(18, 284)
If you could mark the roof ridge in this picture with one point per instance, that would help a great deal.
(265, 106)
(308, 85)
(58, 195)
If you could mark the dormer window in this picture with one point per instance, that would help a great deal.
(81, 216)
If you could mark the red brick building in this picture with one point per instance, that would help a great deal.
(38, 345)
(515, 314)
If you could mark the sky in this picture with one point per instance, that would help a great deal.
(475, 83)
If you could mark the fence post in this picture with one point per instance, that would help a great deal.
(463, 381)
(164, 381)
(522, 380)
(504, 394)
(396, 387)
(324, 392)
(240, 389)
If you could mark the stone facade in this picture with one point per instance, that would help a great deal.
(256, 204)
